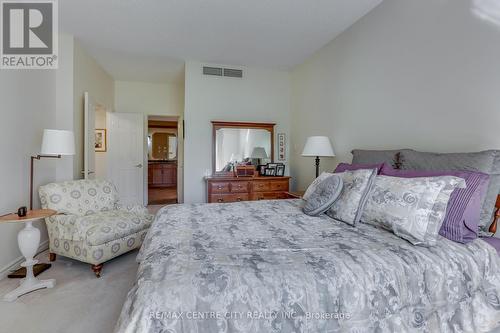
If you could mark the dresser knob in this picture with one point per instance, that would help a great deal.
(219, 187)
(220, 200)
(239, 199)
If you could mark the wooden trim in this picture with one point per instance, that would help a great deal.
(493, 226)
(216, 124)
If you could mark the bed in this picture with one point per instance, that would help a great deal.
(265, 266)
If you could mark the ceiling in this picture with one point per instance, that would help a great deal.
(149, 40)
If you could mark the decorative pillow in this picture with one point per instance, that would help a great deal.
(324, 195)
(345, 166)
(349, 206)
(487, 162)
(314, 184)
(464, 207)
(413, 208)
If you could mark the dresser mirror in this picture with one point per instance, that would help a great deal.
(239, 142)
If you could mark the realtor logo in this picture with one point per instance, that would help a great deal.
(28, 34)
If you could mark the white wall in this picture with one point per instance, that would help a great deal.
(420, 74)
(260, 96)
(27, 107)
(89, 77)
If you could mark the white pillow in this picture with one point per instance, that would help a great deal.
(310, 190)
(349, 206)
(412, 208)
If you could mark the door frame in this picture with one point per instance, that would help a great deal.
(180, 155)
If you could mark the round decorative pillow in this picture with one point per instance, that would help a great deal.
(324, 195)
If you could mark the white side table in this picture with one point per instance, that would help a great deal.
(28, 240)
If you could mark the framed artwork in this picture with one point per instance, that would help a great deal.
(280, 170)
(270, 172)
(100, 140)
(281, 147)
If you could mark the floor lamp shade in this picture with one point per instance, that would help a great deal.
(318, 146)
(58, 142)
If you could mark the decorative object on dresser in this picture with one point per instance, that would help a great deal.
(244, 170)
(318, 146)
(259, 153)
(55, 144)
(28, 240)
(273, 170)
(233, 189)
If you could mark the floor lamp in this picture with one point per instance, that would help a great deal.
(55, 144)
(318, 146)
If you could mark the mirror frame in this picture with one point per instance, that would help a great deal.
(216, 125)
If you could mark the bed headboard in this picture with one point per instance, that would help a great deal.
(493, 226)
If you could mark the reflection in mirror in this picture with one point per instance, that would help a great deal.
(162, 145)
(237, 145)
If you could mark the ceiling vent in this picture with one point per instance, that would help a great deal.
(218, 71)
(233, 72)
(212, 71)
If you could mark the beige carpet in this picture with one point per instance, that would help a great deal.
(78, 303)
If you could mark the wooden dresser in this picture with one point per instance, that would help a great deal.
(233, 189)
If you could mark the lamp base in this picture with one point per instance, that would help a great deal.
(317, 166)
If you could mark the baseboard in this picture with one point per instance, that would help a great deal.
(15, 264)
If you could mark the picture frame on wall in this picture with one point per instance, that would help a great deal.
(281, 147)
(100, 140)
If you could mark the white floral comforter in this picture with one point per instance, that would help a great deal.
(265, 266)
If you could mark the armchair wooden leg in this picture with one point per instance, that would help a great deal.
(97, 269)
(52, 256)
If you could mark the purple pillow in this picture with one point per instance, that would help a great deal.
(464, 208)
(351, 167)
(493, 241)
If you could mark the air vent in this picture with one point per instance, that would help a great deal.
(212, 71)
(233, 72)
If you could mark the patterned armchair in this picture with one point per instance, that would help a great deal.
(91, 225)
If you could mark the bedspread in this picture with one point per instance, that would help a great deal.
(264, 266)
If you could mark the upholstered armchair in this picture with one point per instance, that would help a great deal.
(91, 225)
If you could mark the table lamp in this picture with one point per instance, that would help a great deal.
(55, 144)
(318, 146)
(259, 153)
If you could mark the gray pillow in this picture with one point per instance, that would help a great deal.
(485, 161)
(349, 206)
(412, 208)
(323, 196)
(360, 156)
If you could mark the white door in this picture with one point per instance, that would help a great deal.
(89, 138)
(126, 155)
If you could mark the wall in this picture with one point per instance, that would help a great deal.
(88, 77)
(418, 74)
(260, 96)
(154, 99)
(27, 107)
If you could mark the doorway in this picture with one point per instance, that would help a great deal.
(163, 157)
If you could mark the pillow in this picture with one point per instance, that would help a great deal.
(412, 208)
(349, 206)
(374, 156)
(487, 162)
(464, 207)
(345, 166)
(314, 184)
(324, 195)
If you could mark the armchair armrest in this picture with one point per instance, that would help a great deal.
(132, 208)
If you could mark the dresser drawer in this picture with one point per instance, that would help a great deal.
(261, 186)
(220, 187)
(239, 187)
(225, 198)
(268, 195)
(280, 185)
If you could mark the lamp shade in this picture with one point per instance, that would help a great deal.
(318, 146)
(259, 152)
(58, 142)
